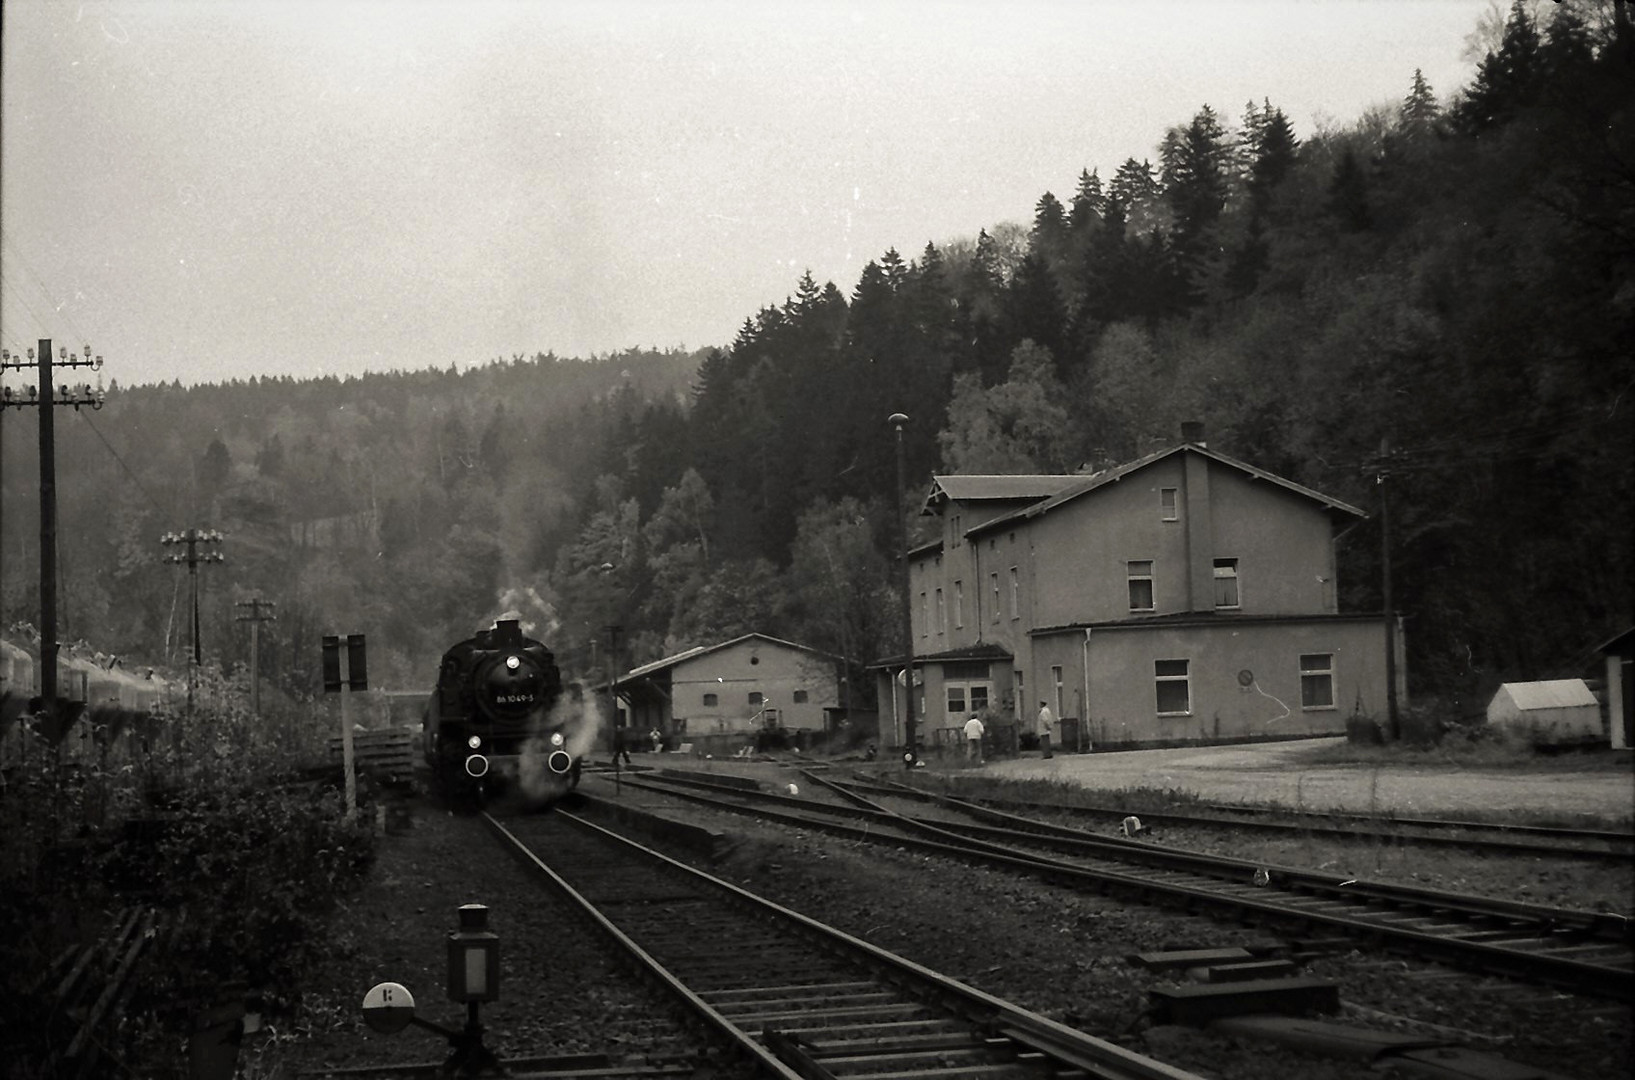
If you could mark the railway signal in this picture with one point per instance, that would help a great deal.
(473, 977)
(344, 671)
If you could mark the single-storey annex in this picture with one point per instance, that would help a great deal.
(732, 691)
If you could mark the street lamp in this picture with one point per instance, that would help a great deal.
(910, 743)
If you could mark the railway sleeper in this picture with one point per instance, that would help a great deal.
(727, 997)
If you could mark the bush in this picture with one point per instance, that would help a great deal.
(203, 823)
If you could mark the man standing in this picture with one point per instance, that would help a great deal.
(1047, 721)
(973, 739)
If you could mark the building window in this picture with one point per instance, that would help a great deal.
(1174, 694)
(1140, 585)
(959, 603)
(1166, 504)
(957, 531)
(711, 700)
(942, 614)
(1056, 683)
(1016, 595)
(799, 697)
(993, 579)
(755, 697)
(1317, 680)
(925, 621)
(956, 701)
(1226, 583)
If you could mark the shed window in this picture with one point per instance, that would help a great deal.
(1166, 504)
(755, 697)
(711, 700)
(800, 697)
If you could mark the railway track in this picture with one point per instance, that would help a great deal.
(800, 999)
(1604, 845)
(1585, 953)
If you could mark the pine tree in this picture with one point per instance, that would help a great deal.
(1048, 239)
(1418, 114)
(1089, 204)
(1274, 158)
(1348, 194)
(1507, 81)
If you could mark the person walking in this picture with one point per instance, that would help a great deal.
(619, 748)
(973, 738)
(1047, 722)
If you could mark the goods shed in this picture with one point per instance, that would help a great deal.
(1553, 711)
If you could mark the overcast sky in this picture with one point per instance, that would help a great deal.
(223, 188)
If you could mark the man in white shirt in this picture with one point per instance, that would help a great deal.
(1047, 722)
(973, 738)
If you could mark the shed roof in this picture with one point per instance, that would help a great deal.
(700, 650)
(1549, 694)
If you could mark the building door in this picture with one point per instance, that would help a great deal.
(965, 698)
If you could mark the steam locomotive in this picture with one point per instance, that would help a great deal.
(497, 721)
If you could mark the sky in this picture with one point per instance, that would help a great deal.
(206, 190)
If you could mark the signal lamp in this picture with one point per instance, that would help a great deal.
(473, 957)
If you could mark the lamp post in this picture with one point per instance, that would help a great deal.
(910, 743)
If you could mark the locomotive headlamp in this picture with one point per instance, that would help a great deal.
(473, 957)
(512, 663)
(475, 741)
(557, 739)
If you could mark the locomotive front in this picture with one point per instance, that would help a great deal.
(491, 722)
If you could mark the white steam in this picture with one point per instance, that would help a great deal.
(535, 614)
(579, 722)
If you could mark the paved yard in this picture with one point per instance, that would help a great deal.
(1284, 773)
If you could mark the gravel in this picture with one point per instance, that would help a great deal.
(1057, 952)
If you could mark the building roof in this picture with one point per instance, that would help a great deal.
(700, 650)
(1550, 694)
(984, 487)
(1077, 486)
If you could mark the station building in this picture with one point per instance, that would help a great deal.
(1184, 597)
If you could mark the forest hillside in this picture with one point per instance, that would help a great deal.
(1433, 304)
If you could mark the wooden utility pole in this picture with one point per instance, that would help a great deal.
(255, 618)
(45, 396)
(192, 538)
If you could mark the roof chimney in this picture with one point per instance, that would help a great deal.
(1192, 431)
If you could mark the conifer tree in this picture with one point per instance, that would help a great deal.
(1418, 114)
(1507, 81)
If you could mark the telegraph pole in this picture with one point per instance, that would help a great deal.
(45, 397)
(255, 618)
(911, 751)
(192, 538)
